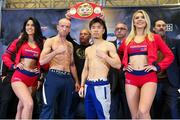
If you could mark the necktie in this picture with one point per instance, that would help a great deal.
(118, 44)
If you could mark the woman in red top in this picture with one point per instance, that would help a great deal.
(24, 80)
(139, 59)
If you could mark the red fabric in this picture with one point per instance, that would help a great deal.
(6, 57)
(26, 79)
(137, 48)
(85, 10)
(27, 51)
(140, 80)
(153, 47)
(21, 52)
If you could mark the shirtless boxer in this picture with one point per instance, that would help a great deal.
(94, 85)
(58, 52)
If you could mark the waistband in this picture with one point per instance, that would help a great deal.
(138, 53)
(60, 72)
(139, 72)
(30, 57)
(97, 82)
(32, 74)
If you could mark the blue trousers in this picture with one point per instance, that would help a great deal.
(57, 83)
(97, 99)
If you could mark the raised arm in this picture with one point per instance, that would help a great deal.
(46, 54)
(112, 57)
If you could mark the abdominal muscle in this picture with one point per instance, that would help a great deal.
(29, 64)
(61, 62)
(98, 69)
(138, 62)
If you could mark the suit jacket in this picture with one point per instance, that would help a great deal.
(173, 72)
(116, 78)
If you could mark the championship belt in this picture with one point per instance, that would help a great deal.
(85, 10)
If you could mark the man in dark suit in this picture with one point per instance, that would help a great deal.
(78, 110)
(119, 107)
(166, 101)
(8, 99)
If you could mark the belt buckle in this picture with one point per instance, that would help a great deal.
(100, 80)
(63, 73)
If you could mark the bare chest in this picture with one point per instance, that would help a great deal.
(94, 51)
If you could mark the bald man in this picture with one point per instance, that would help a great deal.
(79, 50)
(77, 108)
(58, 52)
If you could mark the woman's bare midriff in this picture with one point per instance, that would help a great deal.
(29, 64)
(138, 62)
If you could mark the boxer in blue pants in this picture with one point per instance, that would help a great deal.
(57, 83)
(58, 52)
(97, 98)
(94, 84)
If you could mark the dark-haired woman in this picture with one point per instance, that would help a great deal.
(24, 80)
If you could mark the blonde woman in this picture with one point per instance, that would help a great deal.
(140, 55)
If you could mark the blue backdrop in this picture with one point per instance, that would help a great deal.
(12, 21)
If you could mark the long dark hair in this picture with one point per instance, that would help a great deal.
(38, 37)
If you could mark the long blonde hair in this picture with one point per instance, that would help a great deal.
(147, 31)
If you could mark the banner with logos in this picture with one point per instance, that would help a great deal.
(12, 21)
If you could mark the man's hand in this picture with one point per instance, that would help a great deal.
(60, 49)
(68, 15)
(101, 54)
(102, 16)
(77, 86)
(2, 78)
(39, 84)
(81, 92)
